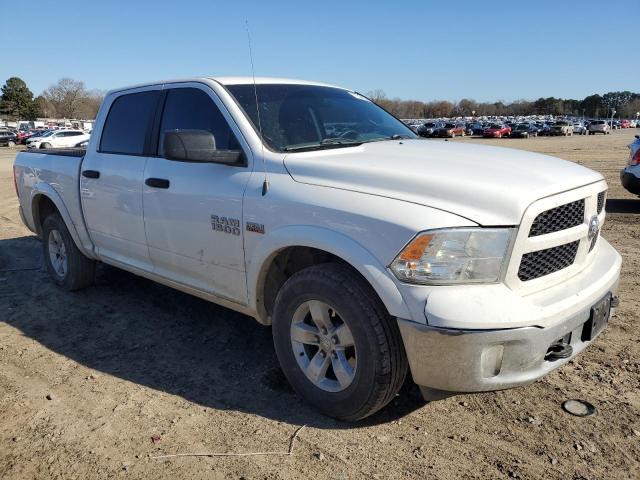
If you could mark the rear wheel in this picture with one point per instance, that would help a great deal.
(336, 344)
(66, 265)
(11, 144)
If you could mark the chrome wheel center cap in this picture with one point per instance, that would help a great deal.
(325, 343)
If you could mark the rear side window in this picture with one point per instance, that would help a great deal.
(126, 126)
(193, 109)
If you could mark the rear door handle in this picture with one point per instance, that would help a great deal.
(91, 173)
(157, 182)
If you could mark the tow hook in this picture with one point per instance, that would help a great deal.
(558, 351)
(615, 301)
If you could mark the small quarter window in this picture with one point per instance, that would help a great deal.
(125, 128)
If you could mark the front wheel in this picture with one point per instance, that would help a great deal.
(66, 265)
(336, 344)
(45, 145)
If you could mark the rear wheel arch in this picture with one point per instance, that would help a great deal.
(46, 202)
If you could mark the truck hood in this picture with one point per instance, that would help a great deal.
(488, 185)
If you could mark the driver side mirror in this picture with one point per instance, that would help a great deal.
(198, 146)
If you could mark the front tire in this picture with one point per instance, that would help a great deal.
(336, 344)
(45, 145)
(66, 265)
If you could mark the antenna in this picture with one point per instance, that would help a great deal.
(265, 184)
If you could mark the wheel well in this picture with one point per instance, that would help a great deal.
(43, 207)
(288, 262)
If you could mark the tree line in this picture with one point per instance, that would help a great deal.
(67, 98)
(626, 104)
(70, 98)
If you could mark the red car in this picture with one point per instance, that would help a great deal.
(22, 135)
(497, 131)
(451, 130)
(625, 124)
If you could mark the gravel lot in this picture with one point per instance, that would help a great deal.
(87, 379)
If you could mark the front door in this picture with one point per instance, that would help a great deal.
(193, 210)
(111, 180)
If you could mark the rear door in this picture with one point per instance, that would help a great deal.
(112, 177)
(193, 210)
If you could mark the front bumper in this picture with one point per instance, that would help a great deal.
(466, 360)
(630, 181)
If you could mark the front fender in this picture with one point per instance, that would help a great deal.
(44, 189)
(329, 241)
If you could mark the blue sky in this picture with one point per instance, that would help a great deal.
(414, 50)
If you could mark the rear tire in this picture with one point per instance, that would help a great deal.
(66, 265)
(11, 144)
(377, 361)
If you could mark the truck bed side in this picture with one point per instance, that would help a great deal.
(52, 175)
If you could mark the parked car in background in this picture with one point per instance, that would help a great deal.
(428, 129)
(476, 128)
(58, 139)
(579, 128)
(561, 127)
(630, 176)
(451, 130)
(599, 126)
(8, 138)
(625, 124)
(497, 131)
(524, 130)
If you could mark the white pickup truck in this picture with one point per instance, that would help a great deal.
(369, 250)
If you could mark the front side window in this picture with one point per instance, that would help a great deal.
(302, 117)
(126, 125)
(193, 109)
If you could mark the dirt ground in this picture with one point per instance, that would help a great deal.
(87, 379)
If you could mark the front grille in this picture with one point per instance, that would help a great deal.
(601, 197)
(543, 262)
(559, 218)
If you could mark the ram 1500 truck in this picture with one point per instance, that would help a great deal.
(370, 251)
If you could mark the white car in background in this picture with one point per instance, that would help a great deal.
(630, 176)
(579, 128)
(58, 139)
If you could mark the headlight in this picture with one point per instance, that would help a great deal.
(456, 255)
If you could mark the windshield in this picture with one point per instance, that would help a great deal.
(301, 117)
(48, 134)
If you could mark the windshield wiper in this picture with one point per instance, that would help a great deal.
(325, 144)
(391, 137)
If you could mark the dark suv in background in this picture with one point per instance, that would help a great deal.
(8, 138)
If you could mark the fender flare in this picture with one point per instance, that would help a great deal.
(332, 242)
(46, 190)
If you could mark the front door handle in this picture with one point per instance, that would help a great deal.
(91, 173)
(157, 182)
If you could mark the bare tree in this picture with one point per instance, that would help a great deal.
(66, 97)
(90, 104)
